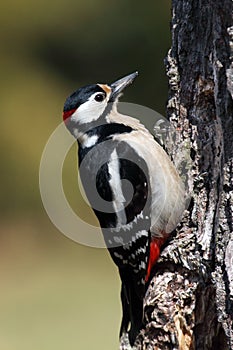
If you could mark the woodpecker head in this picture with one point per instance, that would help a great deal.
(90, 102)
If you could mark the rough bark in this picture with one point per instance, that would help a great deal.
(189, 302)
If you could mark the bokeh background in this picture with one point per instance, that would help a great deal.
(55, 293)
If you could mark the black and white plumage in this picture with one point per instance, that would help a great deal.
(131, 185)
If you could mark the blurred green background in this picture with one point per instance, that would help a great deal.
(57, 294)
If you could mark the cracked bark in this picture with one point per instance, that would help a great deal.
(189, 302)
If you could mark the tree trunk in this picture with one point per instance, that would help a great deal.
(189, 302)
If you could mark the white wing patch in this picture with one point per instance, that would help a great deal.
(115, 184)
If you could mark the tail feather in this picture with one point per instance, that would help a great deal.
(132, 309)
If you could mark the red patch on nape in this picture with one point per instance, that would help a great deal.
(155, 246)
(68, 114)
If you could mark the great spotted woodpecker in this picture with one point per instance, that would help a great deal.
(136, 219)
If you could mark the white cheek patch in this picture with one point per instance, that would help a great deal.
(88, 112)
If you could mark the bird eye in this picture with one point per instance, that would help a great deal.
(99, 97)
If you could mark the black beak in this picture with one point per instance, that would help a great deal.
(119, 85)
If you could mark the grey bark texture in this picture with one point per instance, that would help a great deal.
(189, 302)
